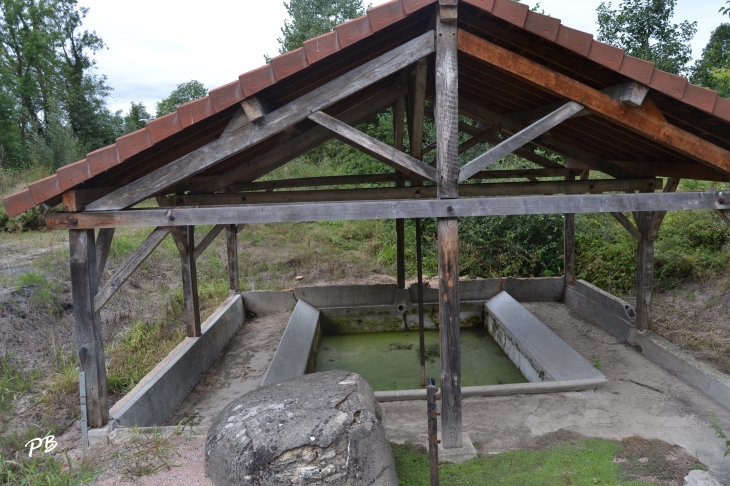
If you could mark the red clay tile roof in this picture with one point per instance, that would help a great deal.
(344, 35)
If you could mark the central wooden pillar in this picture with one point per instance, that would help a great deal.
(447, 155)
(191, 311)
(645, 269)
(89, 334)
(399, 109)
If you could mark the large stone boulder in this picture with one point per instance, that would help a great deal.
(317, 429)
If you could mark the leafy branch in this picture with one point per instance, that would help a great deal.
(719, 433)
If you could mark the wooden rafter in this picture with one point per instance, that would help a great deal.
(599, 103)
(270, 125)
(362, 210)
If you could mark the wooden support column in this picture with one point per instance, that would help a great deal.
(232, 241)
(447, 160)
(399, 109)
(89, 334)
(191, 312)
(645, 268)
(569, 248)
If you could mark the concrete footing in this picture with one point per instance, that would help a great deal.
(458, 455)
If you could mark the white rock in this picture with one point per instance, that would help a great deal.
(701, 478)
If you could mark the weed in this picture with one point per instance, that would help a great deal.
(13, 384)
(719, 433)
(431, 352)
(147, 453)
(46, 470)
(399, 346)
(597, 363)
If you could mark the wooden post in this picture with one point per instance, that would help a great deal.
(569, 248)
(421, 325)
(191, 312)
(447, 157)
(89, 334)
(399, 109)
(645, 268)
(232, 241)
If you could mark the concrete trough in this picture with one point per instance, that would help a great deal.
(539, 353)
(159, 393)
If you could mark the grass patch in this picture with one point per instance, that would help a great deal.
(146, 454)
(46, 470)
(634, 461)
(13, 384)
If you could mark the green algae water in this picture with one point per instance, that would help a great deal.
(389, 360)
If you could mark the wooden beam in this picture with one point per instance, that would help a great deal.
(232, 246)
(645, 268)
(368, 210)
(446, 109)
(624, 221)
(346, 180)
(413, 192)
(658, 219)
(399, 113)
(373, 147)
(631, 93)
(76, 199)
(416, 117)
(205, 243)
(599, 103)
(238, 121)
(103, 245)
(546, 141)
(191, 305)
(291, 146)
(271, 124)
(127, 268)
(89, 332)
(255, 108)
(519, 139)
(678, 171)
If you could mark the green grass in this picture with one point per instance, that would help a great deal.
(46, 470)
(13, 384)
(586, 462)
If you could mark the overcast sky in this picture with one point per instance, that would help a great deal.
(156, 44)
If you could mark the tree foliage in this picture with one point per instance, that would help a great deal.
(310, 18)
(184, 93)
(644, 29)
(137, 118)
(713, 69)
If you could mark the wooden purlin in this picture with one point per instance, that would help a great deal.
(601, 104)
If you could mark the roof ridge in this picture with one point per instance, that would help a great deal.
(344, 35)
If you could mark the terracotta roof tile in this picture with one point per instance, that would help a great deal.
(195, 111)
(73, 174)
(575, 40)
(542, 25)
(513, 12)
(133, 143)
(637, 69)
(163, 127)
(668, 83)
(386, 14)
(18, 203)
(289, 63)
(321, 47)
(606, 55)
(103, 159)
(353, 30)
(45, 189)
(411, 6)
(254, 81)
(701, 98)
(226, 96)
(722, 109)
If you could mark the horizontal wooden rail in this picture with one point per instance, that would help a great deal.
(363, 210)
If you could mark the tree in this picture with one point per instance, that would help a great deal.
(713, 69)
(726, 10)
(137, 118)
(184, 93)
(311, 18)
(644, 29)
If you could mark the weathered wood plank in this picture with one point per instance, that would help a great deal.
(417, 101)
(624, 221)
(601, 104)
(128, 267)
(89, 333)
(519, 139)
(645, 268)
(290, 146)
(546, 141)
(76, 199)
(373, 147)
(103, 245)
(232, 246)
(446, 106)
(658, 219)
(399, 113)
(366, 210)
(238, 121)
(413, 192)
(191, 306)
(255, 108)
(677, 171)
(271, 124)
(205, 243)
(346, 180)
